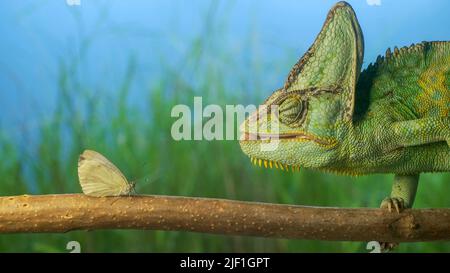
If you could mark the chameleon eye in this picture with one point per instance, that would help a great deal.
(291, 110)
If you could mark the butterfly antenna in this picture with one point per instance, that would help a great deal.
(146, 179)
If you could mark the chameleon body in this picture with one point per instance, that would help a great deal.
(393, 117)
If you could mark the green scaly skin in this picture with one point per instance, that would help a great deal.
(391, 118)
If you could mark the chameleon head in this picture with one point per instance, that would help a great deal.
(295, 129)
(304, 123)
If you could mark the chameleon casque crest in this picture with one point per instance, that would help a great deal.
(393, 117)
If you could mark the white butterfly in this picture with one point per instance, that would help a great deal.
(99, 177)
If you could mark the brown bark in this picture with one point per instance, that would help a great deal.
(66, 212)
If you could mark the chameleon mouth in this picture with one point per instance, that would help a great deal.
(267, 136)
(328, 142)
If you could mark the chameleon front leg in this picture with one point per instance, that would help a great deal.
(403, 192)
(421, 131)
(402, 196)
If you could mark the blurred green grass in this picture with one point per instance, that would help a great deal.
(139, 142)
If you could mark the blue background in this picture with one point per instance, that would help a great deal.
(101, 35)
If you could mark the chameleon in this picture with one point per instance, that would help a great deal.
(392, 117)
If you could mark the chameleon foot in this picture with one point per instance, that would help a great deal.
(387, 247)
(391, 203)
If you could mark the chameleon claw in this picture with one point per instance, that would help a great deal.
(387, 247)
(397, 207)
(393, 202)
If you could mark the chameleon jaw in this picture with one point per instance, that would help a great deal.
(287, 137)
(258, 138)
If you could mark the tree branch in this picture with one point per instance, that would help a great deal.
(66, 212)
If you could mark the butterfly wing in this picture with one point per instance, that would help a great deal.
(99, 177)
